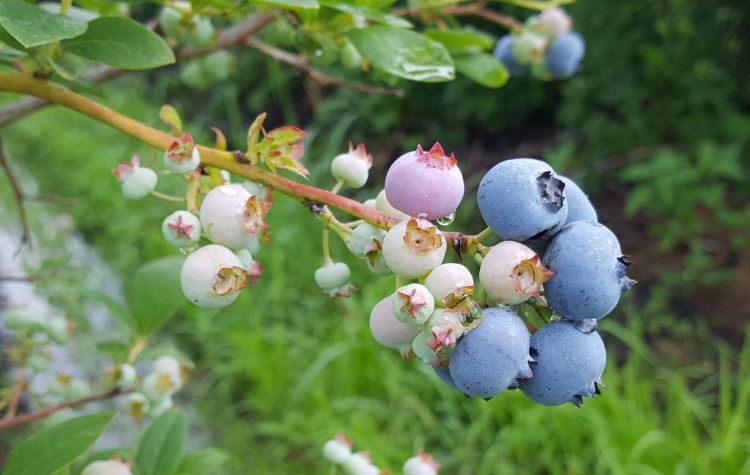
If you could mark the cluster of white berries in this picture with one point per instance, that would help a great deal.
(167, 376)
(339, 451)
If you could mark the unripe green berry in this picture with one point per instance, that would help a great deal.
(56, 329)
(529, 47)
(412, 304)
(181, 229)
(352, 167)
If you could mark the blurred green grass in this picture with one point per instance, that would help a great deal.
(284, 369)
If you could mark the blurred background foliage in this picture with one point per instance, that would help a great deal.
(656, 126)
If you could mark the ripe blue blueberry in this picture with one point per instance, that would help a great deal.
(445, 376)
(504, 52)
(579, 206)
(490, 358)
(565, 54)
(588, 271)
(569, 365)
(522, 198)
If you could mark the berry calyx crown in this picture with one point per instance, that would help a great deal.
(436, 157)
(422, 239)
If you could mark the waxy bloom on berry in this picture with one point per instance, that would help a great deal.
(182, 156)
(136, 181)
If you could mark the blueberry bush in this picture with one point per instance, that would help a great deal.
(513, 306)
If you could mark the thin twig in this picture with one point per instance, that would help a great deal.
(26, 418)
(20, 387)
(232, 36)
(26, 232)
(303, 64)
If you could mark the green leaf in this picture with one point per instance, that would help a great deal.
(68, 66)
(161, 446)
(202, 462)
(117, 350)
(482, 68)
(404, 53)
(169, 115)
(34, 26)
(123, 43)
(462, 41)
(155, 293)
(58, 446)
(291, 4)
(366, 12)
(9, 40)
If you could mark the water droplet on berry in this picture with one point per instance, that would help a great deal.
(447, 220)
(586, 326)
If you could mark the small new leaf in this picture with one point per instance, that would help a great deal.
(169, 115)
(221, 141)
(279, 148)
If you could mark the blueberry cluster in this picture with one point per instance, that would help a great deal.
(545, 47)
(482, 352)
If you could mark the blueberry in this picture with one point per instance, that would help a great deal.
(579, 206)
(569, 365)
(565, 54)
(490, 358)
(504, 52)
(522, 198)
(588, 271)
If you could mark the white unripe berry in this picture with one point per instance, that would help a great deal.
(350, 169)
(422, 464)
(228, 217)
(447, 279)
(332, 275)
(337, 450)
(171, 366)
(181, 165)
(181, 229)
(359, 464)
(553, 22)
(139, 183)
(212, 277)
(124, 375)
(107, 467)
(413, 248)
(363, 239)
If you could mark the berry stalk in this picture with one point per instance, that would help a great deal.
(211, 157)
